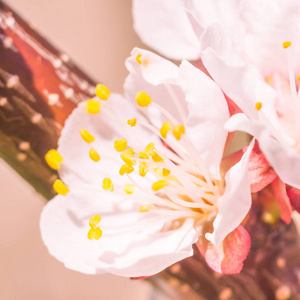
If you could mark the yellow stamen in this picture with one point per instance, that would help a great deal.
(143, 168)
(87, 137)
(159, 184)
(131, 122)
(125, 169)
(143, 99)
(286, 44)
(60, 188)
(178, 131)
(143, 155)
(94, 233)
(107, 184)
(258, 105)
(149, 149)
(93, 106)
(165, 172)
(298, 77)
(146, 207)
(127, 158)
(129, 188)
(165, 128)
(138, 58)
(102, 91)
(94, 155)
(157, 158)
(95, 220)
(53, 159)
(120, 144)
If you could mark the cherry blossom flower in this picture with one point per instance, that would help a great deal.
(141, 180)
(249, 48)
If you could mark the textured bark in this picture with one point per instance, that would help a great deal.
(39, 87)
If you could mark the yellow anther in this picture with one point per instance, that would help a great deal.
(53, 159)
(102, 91)
(87, 137)
(93, 106)
(60, 188)
(129, 188)
(165, 172)
(149, 149)
(131, 122)
(138, 58)
(127, 157)
(94, 155)
(94, 221)
(258, 105)
(178, 131)
(159, 184)
(157, 158)
(143, 99)
(298, 77)
(107, 184)
(286, 44)
(146, 207)
(125, 169)
(143, 155)
(120, 144)
(165, 128)
(94, 233)
(143, 168)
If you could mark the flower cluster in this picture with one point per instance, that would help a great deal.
(144, 176)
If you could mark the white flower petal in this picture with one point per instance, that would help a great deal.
(158, 78)
(208, 112)
(107, 126)
(165, 26)
(284, 160)
(148, 254)
(235, 202)
(122, 249)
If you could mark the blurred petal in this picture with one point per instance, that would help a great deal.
(165, 26)
(235, 203)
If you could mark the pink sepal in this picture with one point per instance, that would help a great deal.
(283, 200)
(261, 173)
(229, 257)
(294, 195)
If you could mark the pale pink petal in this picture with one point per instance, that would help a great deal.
(283, 200)
(294, 195)
(208, 112)
(230, 256)
(235, 203)
(261, 173)
(284, 160)
(165, 27)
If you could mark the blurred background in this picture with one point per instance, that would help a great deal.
(98, 36)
